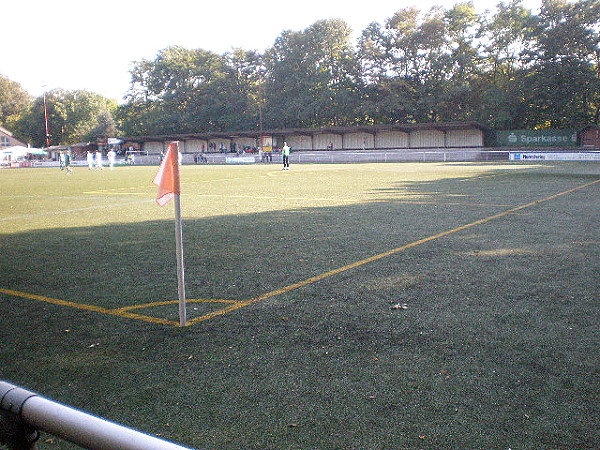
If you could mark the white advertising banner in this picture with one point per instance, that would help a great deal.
(549, 156)
(240, 160)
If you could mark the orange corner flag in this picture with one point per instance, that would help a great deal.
(167, 178)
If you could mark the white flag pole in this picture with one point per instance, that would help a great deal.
(180, 267)
(179, 239)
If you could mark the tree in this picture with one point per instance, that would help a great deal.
(242, 85)
(173, 84)
(501, 88)
(509, 69)
(14, 101)
(105, 128)
(287, 86)
(312, 77)
(373, 55)
(186, 90)
(461, 64)
(336, 92)
(409, 63)
(507, 40)
(565, 82)
(72, 115)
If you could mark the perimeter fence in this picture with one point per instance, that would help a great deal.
(360, 156)
(369, 156)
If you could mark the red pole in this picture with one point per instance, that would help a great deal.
(46, 121)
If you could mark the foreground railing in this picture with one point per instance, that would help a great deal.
(24, 413)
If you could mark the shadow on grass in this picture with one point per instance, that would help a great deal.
(488, 348)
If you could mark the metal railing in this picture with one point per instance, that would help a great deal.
(23, 414)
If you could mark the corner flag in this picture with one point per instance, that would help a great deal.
(167, 179)
(169, 186)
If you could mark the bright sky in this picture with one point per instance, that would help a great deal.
(74, 44)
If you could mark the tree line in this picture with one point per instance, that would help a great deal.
(506, 69)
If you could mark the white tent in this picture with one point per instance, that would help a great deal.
(18, 153)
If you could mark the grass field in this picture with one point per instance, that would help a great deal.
(358, 306)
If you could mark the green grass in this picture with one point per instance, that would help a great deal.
(497, 347)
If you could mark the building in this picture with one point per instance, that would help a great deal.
(7, 139)
(451, 135)
(590, 137)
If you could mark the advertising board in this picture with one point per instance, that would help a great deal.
(548, 156)
(537, 138)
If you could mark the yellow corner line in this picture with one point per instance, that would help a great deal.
(377, 257)
(235, 305)
(86, 307)
(170, 302)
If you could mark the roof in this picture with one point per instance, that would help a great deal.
(407, 128)
(5, 131)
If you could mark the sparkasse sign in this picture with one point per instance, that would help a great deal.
(537, 138)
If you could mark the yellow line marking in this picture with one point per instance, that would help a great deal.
(86, 307)
(362, 262)
(235, 305)
(442, 203)
(128, 193)
(501, 174)
(351, 199)
(171, 302)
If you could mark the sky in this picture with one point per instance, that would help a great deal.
(75, 44)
